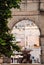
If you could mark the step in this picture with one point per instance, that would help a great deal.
(21, 64)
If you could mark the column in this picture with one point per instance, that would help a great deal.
(42, 50)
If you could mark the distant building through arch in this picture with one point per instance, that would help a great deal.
(27, 35)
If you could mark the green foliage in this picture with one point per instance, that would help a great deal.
(5, 37)
(2, 42)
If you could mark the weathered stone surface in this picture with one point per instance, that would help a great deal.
(42, 6)
(41, 0)
(21, 64)
(30, 10)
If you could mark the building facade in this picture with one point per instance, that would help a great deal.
(30, 10)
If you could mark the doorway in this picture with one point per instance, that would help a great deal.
(27, 35)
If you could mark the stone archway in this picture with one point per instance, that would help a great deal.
(29, 10)
(34, 33)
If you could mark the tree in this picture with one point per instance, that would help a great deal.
(5, 37)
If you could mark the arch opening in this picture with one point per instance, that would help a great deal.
(27, 36)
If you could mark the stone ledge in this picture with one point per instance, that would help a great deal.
(32, 1)
(21, 64)
(25, 13)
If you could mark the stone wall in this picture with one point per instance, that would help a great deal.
(30, 9)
